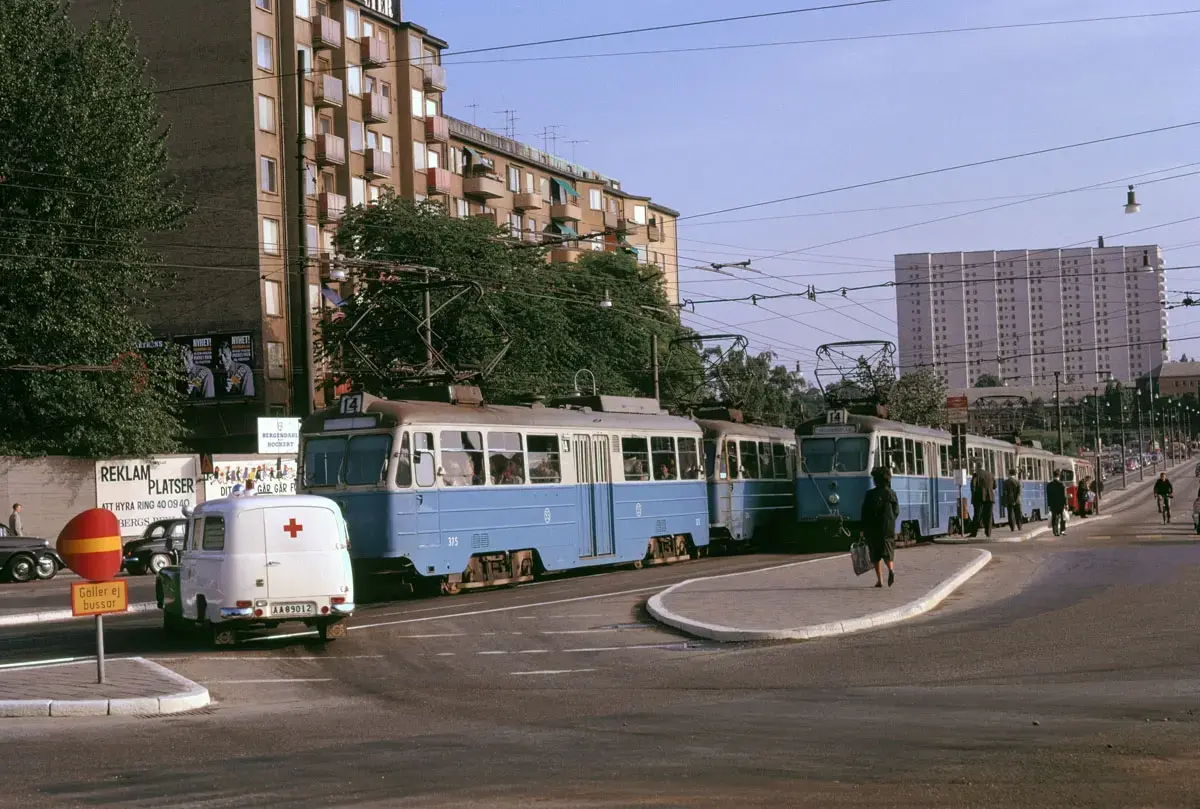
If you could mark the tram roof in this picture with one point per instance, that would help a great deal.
(391, 413)
(718, 427)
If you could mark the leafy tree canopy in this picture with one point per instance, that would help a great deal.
(544, 321)
(988, 381)
(764, 391)
(82, 184)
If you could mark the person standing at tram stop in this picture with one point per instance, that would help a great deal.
(1012, 501)
(880, 510)
(983, 499)
(1056, 501)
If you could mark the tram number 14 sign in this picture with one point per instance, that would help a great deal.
(99, 597)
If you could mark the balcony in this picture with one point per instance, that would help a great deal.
(330, 207)
(483, 186)
(437, 129)
(567, 211)
(531, 237)
(629, 226)
(654, 231)
(377, 109)
(565, 253)
(373, 52)
(527, 202)
(492, 217)
(331, 150)
(435, 78)
(327, 33)
(327, 91)
(439, 181)
(610, 220)
(377, 163)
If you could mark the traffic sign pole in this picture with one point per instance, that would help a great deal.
(100, 649)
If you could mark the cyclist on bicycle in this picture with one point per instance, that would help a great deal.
(1163, 492)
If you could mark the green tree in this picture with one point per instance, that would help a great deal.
(988, 381)
(919, 397)
(82, 185)
(543, 321)
(764, 391)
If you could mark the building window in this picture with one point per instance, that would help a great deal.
(431, 107)
(639, 214)
(545, 190)
(464, 207)
(275, 365)
(354, 80)
(270, 236)
(265, 5)
(302, 9)
(418, 103)
(418, 156)
(351, 23)
(304, 62)
(268, 175)
(310, 180)
(265, 53)
(514, 179)
(312, 240)
(529, 186)
(273, 298)
(310, 122)
(385, 143)
(432, 158)
(358, 191)
(356, 136)
(595, 200)
(372, 139)
(266, 113)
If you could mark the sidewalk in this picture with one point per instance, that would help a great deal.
(135, 687)
(815, 598)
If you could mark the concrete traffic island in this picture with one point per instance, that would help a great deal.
(134, 687)
(816, 598)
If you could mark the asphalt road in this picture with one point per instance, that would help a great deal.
(1063, 675)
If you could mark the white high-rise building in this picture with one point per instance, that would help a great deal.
(1091, 314)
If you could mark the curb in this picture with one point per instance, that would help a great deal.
(726, 634)
(1037, 532)
(54, 616)
(192, 696)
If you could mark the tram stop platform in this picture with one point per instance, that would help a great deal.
(133, 686)
(814, 598)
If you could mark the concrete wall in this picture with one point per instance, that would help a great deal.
(50, 490)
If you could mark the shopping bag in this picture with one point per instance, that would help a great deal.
(860, 557)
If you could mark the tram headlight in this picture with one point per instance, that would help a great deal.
(833, 499)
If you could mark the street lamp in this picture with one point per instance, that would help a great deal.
(607, 302)
(1131, 203)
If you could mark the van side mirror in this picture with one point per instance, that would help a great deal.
(187, 510)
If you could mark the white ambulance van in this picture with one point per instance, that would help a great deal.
(258, 562)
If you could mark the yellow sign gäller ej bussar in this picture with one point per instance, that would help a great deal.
(99, 597)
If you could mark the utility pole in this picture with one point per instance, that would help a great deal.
(1099, 462)
(1124, 472)
(1137, 400)
(1062, 450)
(300, 317)
(654, 365)
(1155, 455)
(428, 322)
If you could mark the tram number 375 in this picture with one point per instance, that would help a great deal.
(452, 542)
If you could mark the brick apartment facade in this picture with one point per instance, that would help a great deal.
(230, 74)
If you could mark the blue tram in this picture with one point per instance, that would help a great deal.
(750, 470)
(451, 493)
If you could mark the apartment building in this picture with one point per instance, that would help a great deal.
(1088, 314)
(285, 112)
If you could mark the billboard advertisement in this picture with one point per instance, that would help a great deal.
(218, 366)
(271, 476)
(278, 436)
(142, 490)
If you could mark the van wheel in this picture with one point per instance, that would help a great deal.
(332, 631)
(221, 635)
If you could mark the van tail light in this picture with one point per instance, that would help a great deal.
(338, 600)
(324, 610)
(243, 604)
(258, 613)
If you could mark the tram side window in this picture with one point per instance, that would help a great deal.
(910, 456)
(689, 459)
(662, 452)
(543, 459)
(731, 458)
(779, 458)
(506, 461)
(896, 456)
(462, 458)
(816, 455)
(944, 455)
(323, 459)
(636, 457)
(920, 458)
(404, 463)
(710, 458)
(423, 455)
(749, 459)
(366, 462)
(764, 459)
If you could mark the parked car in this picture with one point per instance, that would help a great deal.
(158, 546)
(27, 558)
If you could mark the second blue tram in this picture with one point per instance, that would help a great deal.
(456, 494)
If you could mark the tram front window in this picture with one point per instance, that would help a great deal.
(852, 454)
(323, 458)
(816, 455)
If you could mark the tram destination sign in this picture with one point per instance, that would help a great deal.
(956, 409)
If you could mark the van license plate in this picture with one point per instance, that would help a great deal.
(293, 609)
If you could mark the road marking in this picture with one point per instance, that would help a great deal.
(256, 658)
(548, 671)
(455, 606)
(1149, 536)
(50, 662)
(634, 647)
(254, 682)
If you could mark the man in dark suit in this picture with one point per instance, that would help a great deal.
(1012, 501)
(983, 499)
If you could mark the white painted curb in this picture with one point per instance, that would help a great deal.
(1016, 538)
(54, 616)
(725, 634)
(191, 696)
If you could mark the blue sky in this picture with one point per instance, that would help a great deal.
(711, 130)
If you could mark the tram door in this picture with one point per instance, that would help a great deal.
(593, 472)
(934, 488)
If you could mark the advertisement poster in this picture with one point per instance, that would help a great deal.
(142, 490)
(278, 436)
(276, 476)
(218, 366)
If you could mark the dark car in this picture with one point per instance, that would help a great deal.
(27, 558)
(158, 546)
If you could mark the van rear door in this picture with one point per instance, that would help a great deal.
(306, 553)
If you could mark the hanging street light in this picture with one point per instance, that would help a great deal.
(1131, 203)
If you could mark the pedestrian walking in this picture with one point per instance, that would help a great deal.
(1056, 500)
(880, 510)
(1012, 501)
(983, 500)
(14, 521)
